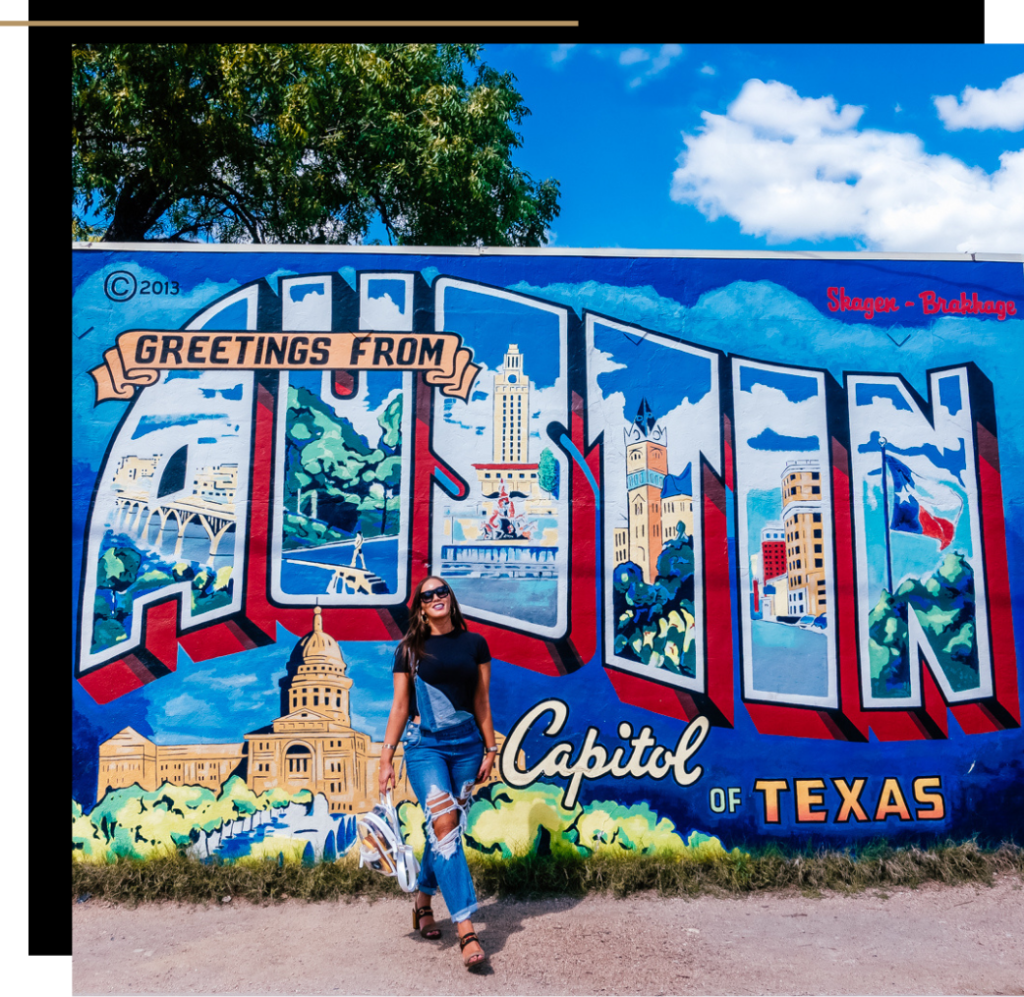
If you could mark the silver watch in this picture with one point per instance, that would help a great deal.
(493, 750)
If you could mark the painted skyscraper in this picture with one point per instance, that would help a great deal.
(646, 467)
(801, 515)
(773, 551)
(511, 410)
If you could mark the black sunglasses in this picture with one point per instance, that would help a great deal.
(441, 592)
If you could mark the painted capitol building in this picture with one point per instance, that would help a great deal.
(311, 746)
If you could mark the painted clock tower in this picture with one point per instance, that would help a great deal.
(511, 411)
(646, 467)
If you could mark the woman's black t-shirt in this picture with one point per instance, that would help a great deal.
(446, 678)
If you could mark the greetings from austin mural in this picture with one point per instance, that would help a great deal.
(742, 534)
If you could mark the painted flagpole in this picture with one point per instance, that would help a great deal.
(885, 514)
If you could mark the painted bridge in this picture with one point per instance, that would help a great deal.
(134, 513)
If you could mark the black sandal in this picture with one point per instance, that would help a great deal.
(432, 932)
(477, 958)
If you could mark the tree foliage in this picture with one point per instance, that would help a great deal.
(547, 471)
(944, 603)
(653, 622)
(124, 572)
(139, 823)
(357, 485)
(509, 822)
(300, 143)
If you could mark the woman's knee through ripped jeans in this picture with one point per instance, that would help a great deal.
(442, 767)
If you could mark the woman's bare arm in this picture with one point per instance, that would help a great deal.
(396, 725)
(482, 712)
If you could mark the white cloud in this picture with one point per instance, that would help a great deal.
(790, 167)
(561, 53)
(664, 58)
(777, 110)
(766, 407)
(189, 707)
(1002, 108)
(632, 55)
(382, 313)
(208, 677)
(708, 70)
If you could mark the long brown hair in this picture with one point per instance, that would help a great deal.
(411, 647)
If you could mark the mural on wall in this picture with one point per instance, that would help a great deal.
(653, 401)
(785, 535)
(740, 539)
(921, 496)
(505, 527)
(341, 503)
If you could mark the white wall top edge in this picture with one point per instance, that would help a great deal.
(735, 254)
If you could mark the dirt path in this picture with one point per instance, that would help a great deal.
(933, 940)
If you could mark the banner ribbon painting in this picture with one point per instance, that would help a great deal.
(140, 354)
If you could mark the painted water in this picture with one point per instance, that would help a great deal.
(330, 835)
(789, 659)
(498, 561)
(535, 600)
(380, 554)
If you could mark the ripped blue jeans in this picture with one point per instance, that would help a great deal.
(442, 767)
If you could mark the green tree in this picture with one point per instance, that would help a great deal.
(300, 143)
(118, 568)
(508, 821)
(390, 422)
(944, 605)
(652, 621)
(547, 472)
(357, 486)
(616, 827)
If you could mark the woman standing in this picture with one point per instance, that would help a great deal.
(442, 679)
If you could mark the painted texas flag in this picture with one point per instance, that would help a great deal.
(923, 505)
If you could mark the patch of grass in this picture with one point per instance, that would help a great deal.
(737, 872)
(173, 877)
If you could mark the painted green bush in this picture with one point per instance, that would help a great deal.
(137, 823)
(508, 822)
(653, 622)
(943, 602)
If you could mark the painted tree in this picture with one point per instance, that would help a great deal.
(653, 621)
(357, 484)
(611, 826)
(138, 823)
(389, 472)
(944, 604)
(298, 143)
(508, 821)
(390, 422)
(547, 472)
(116, 574)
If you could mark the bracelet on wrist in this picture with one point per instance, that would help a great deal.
(493, 750)
(391, 746)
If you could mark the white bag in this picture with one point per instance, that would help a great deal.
(381, 847)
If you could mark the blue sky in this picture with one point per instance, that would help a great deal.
(637, 371)
(785, 147)
(891, 148)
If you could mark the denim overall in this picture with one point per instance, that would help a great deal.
(443, 753)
